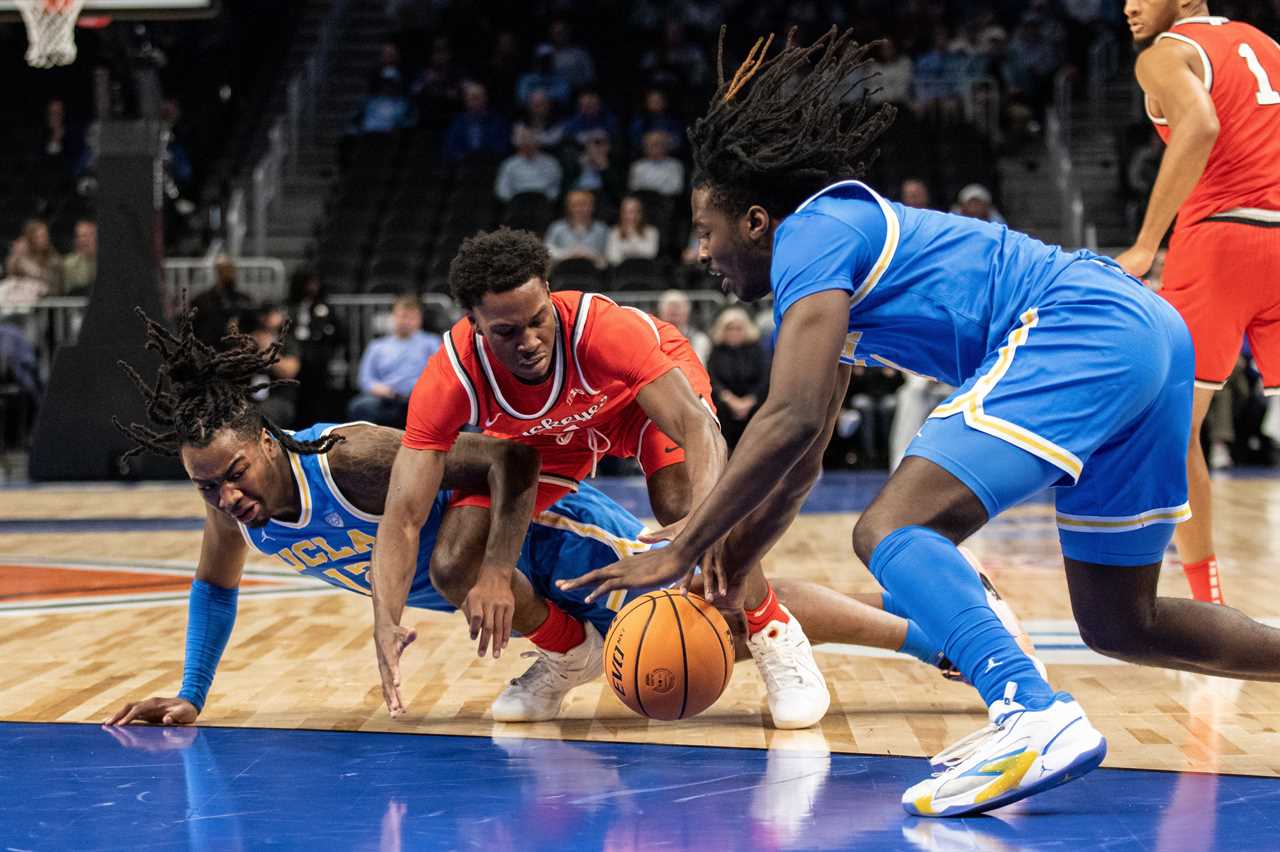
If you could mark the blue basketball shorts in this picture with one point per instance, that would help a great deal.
(1091, 395)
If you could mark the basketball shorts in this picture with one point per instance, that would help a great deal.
(584, 531)
(1221, 277)
(1090, 394)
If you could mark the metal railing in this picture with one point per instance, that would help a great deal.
(286, 136)
(54, 322)
(263, 278)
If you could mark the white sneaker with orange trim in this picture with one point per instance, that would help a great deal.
(798, 694)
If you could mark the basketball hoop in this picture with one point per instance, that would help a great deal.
(51, 31)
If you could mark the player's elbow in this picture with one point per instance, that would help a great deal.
(1203, 132)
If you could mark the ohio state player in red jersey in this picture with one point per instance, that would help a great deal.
(1210, 86)
(577, 377)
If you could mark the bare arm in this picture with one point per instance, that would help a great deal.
(1170, 75)
(802, 383)
(750, 541)
(671, 403)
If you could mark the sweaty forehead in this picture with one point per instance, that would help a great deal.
(516, 307)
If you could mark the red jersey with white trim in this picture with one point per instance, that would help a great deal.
(1242, 72)
(604, 355)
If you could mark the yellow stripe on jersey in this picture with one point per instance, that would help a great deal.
(969, 404)
(621, 546)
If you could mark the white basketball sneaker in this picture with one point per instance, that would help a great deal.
(1022, 752)
(537, 694)
(798, 695)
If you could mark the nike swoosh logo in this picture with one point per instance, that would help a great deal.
(670, 449)
(491, 420)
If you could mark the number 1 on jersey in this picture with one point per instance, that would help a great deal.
(1266, 95)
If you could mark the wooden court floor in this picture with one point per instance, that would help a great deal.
(105, 624)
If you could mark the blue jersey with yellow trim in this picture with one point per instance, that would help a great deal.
(332, 540)
(932, 293)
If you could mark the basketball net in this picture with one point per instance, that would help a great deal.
(51, 31)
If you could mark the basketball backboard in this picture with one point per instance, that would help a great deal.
(133, 10)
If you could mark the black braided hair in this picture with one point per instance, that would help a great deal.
(781, 128)
(199, 391)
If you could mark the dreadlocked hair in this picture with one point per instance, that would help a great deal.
(780, 128)
(199, 391)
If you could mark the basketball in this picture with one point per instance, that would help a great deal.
(668, 655)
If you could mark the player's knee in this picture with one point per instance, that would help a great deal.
(1128, 639)
(450, 573)
(671, 500)
(868, 532)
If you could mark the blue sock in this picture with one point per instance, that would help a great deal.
(919, 645)
(930, 580)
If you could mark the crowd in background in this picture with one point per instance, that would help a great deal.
(581, 110)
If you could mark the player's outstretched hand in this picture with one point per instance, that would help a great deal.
(390, 641)
(156, 711)
(650, 570)
(489, 608)
(1136, 261)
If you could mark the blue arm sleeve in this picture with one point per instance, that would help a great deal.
(814, 251)
(211, 614)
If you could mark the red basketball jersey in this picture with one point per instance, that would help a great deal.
(1241, 71)
(604, 356)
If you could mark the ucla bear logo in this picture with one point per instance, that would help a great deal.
(333, 519)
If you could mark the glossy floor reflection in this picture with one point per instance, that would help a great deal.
(84, 787)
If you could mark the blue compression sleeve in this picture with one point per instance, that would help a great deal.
(210, 616)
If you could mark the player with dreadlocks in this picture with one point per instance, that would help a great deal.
(314, 498)
(1070, 374)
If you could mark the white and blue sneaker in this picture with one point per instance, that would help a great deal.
(1021, 753)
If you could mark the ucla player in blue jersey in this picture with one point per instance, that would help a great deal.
(1070, 375)
(313, 499)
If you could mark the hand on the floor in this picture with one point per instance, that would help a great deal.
(489, 607)
(651, 570)
(156, 711)
(390, 641)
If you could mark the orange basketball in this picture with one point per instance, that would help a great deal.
(668, 655)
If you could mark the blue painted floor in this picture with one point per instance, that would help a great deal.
(87, 788)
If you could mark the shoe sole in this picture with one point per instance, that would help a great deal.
(1085, 763)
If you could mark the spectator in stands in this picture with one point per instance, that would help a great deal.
(739, 370)
(279, 404)
(896, 75)
(676, 62)
(578, 234)
(506, 64)
(914, 193)
(674, 307)
(222, 303)
(80, 268)
(934, 84)
(390, 366)
(320, 336)
(34, 266)
(439, 87)
(594, 172)
(539, 117)
(1036, 51)
(386, 110)
(632, 237)
(974, 201)
(389, 69)
(477, 131)
(869, 414)
(657, 171)
(60, 146)
(544, 76)
(570, 60)
(527, 170)
(592, 115)
(655, 116)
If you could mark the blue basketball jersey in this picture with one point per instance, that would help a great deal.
(932, 293)
(332, 540)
